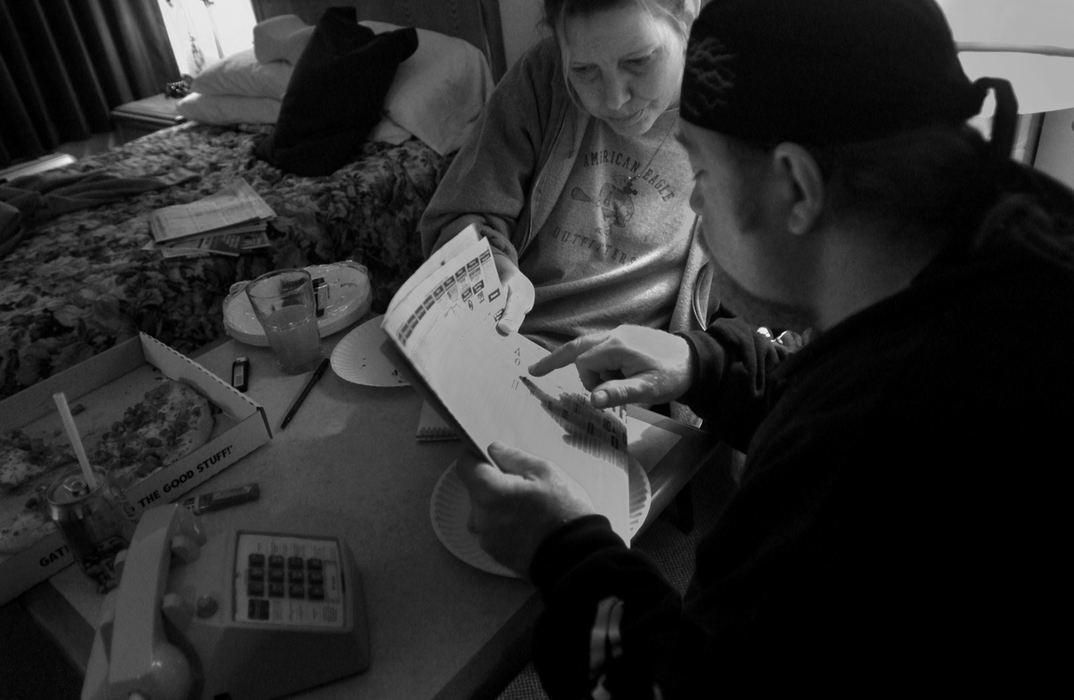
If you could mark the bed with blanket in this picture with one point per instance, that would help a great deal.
(77, 274)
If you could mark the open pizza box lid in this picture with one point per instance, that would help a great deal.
(99, 390)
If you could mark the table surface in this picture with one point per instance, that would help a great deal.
(349, 464)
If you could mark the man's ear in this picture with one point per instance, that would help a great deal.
(804, 183)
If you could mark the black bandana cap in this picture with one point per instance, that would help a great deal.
(824, 72)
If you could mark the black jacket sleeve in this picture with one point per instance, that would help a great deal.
(611, 623)
(733, 386)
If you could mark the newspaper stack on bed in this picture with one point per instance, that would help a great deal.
(229, 222)
(441, 327)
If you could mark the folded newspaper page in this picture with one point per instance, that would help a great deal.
(237, 208)
(442, 322)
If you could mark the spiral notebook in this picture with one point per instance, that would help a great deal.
(432, 427)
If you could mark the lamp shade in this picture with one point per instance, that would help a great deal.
(1028, 42)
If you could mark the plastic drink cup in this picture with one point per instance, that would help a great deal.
(284, 303)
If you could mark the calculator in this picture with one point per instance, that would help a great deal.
(247, 613)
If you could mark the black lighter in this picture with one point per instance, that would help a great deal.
(320, 294)
(240, 372)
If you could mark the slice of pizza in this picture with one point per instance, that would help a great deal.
(26, 527)
(24, 458)
(169, 422)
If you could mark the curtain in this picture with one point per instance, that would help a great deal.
(64, 64)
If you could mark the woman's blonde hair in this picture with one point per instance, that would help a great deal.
(680, 12)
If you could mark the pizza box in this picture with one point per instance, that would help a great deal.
(98, 391)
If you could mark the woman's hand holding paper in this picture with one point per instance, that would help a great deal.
(519, 291)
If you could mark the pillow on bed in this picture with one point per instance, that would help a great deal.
(336, 93)
(281, 38)
(242, 74)
(225, 110)
(229, 109)
(389, 132)
(438, 92)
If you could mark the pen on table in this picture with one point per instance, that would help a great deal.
(297, 403)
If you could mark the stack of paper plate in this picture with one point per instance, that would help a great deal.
(349, 298)
(359, 357)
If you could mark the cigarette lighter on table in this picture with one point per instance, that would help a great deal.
(222, 499)
(320, 295)
(240, 373)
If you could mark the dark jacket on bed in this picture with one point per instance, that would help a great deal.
(901, 522)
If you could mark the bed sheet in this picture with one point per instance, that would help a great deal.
(78, 283)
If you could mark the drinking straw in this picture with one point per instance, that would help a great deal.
(76, 441)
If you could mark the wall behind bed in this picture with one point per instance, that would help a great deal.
(521, 20)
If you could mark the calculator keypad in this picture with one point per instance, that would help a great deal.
(288, 580)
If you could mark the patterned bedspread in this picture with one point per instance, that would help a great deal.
(78, 283)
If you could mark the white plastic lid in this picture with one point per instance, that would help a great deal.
(349, 299)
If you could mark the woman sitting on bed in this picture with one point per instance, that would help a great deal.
(576, 178)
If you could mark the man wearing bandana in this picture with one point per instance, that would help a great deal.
(898, 527)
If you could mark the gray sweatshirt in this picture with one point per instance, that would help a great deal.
(511, 176)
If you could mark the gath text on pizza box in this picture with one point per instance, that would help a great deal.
(99, 390)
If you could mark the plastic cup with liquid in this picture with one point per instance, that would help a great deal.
(285, 305)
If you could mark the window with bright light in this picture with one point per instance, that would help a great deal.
(204, 31)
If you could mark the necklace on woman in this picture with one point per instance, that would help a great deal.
(628, 187)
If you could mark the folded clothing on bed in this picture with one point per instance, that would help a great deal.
(44, 195)
(335, 95)
(239, 89)
(41, 196)
(438, 93)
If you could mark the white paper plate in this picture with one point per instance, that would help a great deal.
(349, 298)
(449, 510)
(358, 357)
